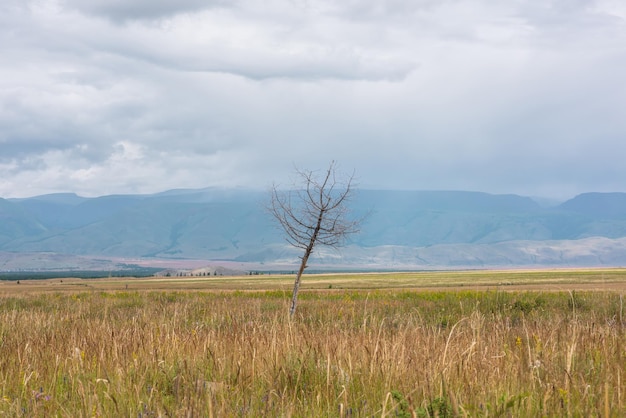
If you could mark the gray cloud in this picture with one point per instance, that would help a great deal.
(123, 11)
(522, 97)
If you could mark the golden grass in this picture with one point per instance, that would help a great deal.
(355, 352)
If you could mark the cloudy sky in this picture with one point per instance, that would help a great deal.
(139, 96)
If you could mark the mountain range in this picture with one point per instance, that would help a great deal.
(401, 229)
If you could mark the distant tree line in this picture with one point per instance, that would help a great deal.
(190, 274)
(80, 274)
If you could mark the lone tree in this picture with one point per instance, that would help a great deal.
(315, 212)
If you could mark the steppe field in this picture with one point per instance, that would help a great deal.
(430, 344)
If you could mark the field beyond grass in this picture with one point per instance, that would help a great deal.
(67, 350)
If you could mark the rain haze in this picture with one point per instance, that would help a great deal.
(116, 96)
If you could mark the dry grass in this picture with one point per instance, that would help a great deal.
(347, 353)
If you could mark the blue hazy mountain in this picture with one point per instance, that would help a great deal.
(17, 223)
(606, 206)
(233, 224)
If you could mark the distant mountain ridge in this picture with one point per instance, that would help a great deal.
(220, 224)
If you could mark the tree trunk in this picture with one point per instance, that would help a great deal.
(296, 284)
(305, 259)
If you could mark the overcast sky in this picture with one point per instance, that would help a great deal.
(123, 96)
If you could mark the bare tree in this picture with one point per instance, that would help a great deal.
(315, 212)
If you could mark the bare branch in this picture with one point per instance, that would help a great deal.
(314, 213)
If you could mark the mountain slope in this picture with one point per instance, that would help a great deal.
(15, 223)
(598, 205)
(232, 224)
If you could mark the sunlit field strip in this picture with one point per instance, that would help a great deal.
(550, 279)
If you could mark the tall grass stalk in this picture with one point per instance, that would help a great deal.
(394, 353)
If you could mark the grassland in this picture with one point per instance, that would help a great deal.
(537, 343)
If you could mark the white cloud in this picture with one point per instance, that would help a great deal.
(102, 97)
